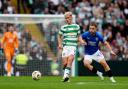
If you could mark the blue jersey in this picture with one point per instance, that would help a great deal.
(92, 42)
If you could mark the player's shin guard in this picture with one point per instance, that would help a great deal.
(9, 67)
(94, 70)
(109, 73)
(100, 74)
(66, 74)
(64, 67)
(67, 71)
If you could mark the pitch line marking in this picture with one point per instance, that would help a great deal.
(95, 83)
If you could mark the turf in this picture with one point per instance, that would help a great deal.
(52, 82)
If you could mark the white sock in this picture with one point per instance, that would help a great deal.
(112, 79)
(66, 73)
(9, 74)
(98, 72)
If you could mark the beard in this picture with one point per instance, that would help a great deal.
(93, 33)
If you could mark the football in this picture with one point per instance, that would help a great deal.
(36, 75)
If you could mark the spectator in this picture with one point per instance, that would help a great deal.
(26, 34)
(21, 63)
(22, 4)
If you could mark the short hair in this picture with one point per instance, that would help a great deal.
(67, 13)
(93, 24)
(9, 24)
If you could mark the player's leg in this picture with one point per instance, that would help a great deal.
(87, 63)
(9, 62)
(68, 68)
(69, 64)
(99, 57)
(107, 70)
(64, 64)
(64, 61)
(13, 56)
(64, 57)
(70, 55)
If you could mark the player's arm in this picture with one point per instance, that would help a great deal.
(81, 40)
(101, 38)
(109, 47)
(16, 44)
(60, 39)
(3, 41)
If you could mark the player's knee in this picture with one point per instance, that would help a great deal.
(86, 63)
(71, 57)
(64, 63)
(9, 61)
(69, 62)
(105, 65)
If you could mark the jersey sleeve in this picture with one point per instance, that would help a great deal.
(3, 40)
(84, 36)
(101, 38)
(78, 30)
(16, 42)
(60, 31)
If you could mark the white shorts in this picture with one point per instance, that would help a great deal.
(68, 50)
(97, 56)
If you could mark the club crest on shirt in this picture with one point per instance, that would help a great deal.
(11, 40)
(88, 38)
(96, 38)
(91, 43)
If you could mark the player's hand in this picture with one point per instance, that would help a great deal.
(60, 46)
(113, 53)
(2, 50)
(16, 51)
(84, 43)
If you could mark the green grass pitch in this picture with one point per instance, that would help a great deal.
(54, 82)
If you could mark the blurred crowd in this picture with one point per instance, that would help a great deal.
(110, 15)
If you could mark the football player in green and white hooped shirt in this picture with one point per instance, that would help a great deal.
(68, 38)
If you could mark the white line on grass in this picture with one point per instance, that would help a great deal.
(97, 83)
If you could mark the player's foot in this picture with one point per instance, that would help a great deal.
(100, 74)
(9, 74)
(112, 80)
(66, 79)
(63, 80)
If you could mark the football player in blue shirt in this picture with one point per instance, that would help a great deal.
(92, 52)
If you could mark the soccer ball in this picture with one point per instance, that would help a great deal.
(36, 75)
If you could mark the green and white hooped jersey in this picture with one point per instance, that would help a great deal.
(70, 34)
